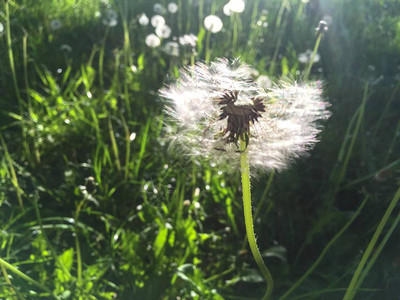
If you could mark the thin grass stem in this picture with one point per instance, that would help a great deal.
(323, 253)
(26, 277)
(352, 288)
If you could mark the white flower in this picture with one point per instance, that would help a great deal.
(188, 40)
(305, 57)
(171, 48)
(234, 6)
(172, 7)
(152, 40)
(1, 28)
(110, 18)
(213, 23)
(157, 20)
(55, 24)
(158, 9)
(143, 20)
(163, 31)
(214, 106)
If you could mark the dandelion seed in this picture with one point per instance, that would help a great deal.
(132, 136)
(163, 31)
(110, 18)
(213, 23)
(215, 106)
(143, 20)
(152, 41)
(55, 24)
(157, 21)
(158, 9)
(171, 48)
(172, 7)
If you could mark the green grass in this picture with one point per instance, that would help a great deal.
(94, 206)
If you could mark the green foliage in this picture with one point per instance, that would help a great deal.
(94, 206)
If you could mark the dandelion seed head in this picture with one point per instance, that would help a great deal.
(158, 8)
(188, 40)
(110, 18)
(213, 23)
(234, 6)
(143, 19)
(305, 57)
(157, 21)
(163, 31)
(172, 7)
(55, 24)
(211, 105)
(171, 48)
(65, 48)
(152, 41)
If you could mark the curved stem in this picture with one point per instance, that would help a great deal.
(248, 217)
(13, 269)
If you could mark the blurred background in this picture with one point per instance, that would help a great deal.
(94, 206)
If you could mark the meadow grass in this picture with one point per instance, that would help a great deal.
(94, 206)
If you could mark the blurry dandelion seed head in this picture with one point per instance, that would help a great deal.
(172, 7)
(1, 27)
(55, 24)
(305, 57)
(211, 106)
(234, 6)
(152, 40)
(110, 18)
(66, 48)
(163, 31)
(171, 48)
(158, 9)
(213, 23)
(143, 19)
(157, 21)
(188, 40)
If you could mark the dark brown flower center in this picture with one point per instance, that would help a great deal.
(238, 116)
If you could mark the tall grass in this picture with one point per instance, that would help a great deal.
(94, 206)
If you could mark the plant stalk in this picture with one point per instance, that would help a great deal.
(248, 217)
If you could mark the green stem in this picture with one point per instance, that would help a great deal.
(25, 277)
(354, 283)
(11, 57)
(377, 252)
(248, 217)
(208, 54)
(310, 64)
(101, 59)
